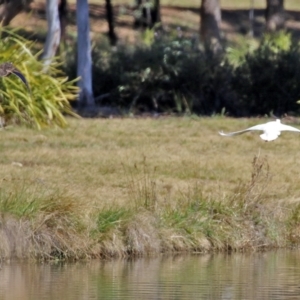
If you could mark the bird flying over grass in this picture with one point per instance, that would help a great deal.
(8, 68)
(271, 130)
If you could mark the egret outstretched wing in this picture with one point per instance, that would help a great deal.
(256, 127)
(288, 128)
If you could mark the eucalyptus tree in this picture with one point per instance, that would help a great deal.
(275, 15)
(84, 60)
(146, 13)
(63, 18)
(210, 16)
(53, 33)
(110, 21)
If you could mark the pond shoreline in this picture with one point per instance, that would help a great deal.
(137, 237)
(105, 188)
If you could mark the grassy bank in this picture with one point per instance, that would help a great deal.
(114, 187)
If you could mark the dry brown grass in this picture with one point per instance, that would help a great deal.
(111, 187)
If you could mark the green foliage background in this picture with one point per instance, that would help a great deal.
(167, 72)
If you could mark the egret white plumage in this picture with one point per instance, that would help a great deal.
(271, 130)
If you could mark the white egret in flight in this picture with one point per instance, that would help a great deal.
(271, 130)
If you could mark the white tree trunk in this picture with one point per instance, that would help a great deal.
(53, 34)
(84, 60)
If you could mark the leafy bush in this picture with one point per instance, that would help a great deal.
(169, 75)
(48, 100)
(268, 78)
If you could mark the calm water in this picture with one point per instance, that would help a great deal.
(271, 275)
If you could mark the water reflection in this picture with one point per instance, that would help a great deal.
(271, 275)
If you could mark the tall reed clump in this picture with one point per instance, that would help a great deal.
(247, 218)
(41, 223)
(130, 230)
(50, 92)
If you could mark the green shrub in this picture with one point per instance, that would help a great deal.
(268, 79)
(170, 75)
(173, 74)
(51, 91)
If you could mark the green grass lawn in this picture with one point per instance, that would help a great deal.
(95, 159)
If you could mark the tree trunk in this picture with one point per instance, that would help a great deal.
(63, 18)
(84, 59)
(110, 21)
(147, 15)
(53, 33)
(210, 14)
(251, 19)
(156, 12)
(9, 9)
(275, 15)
